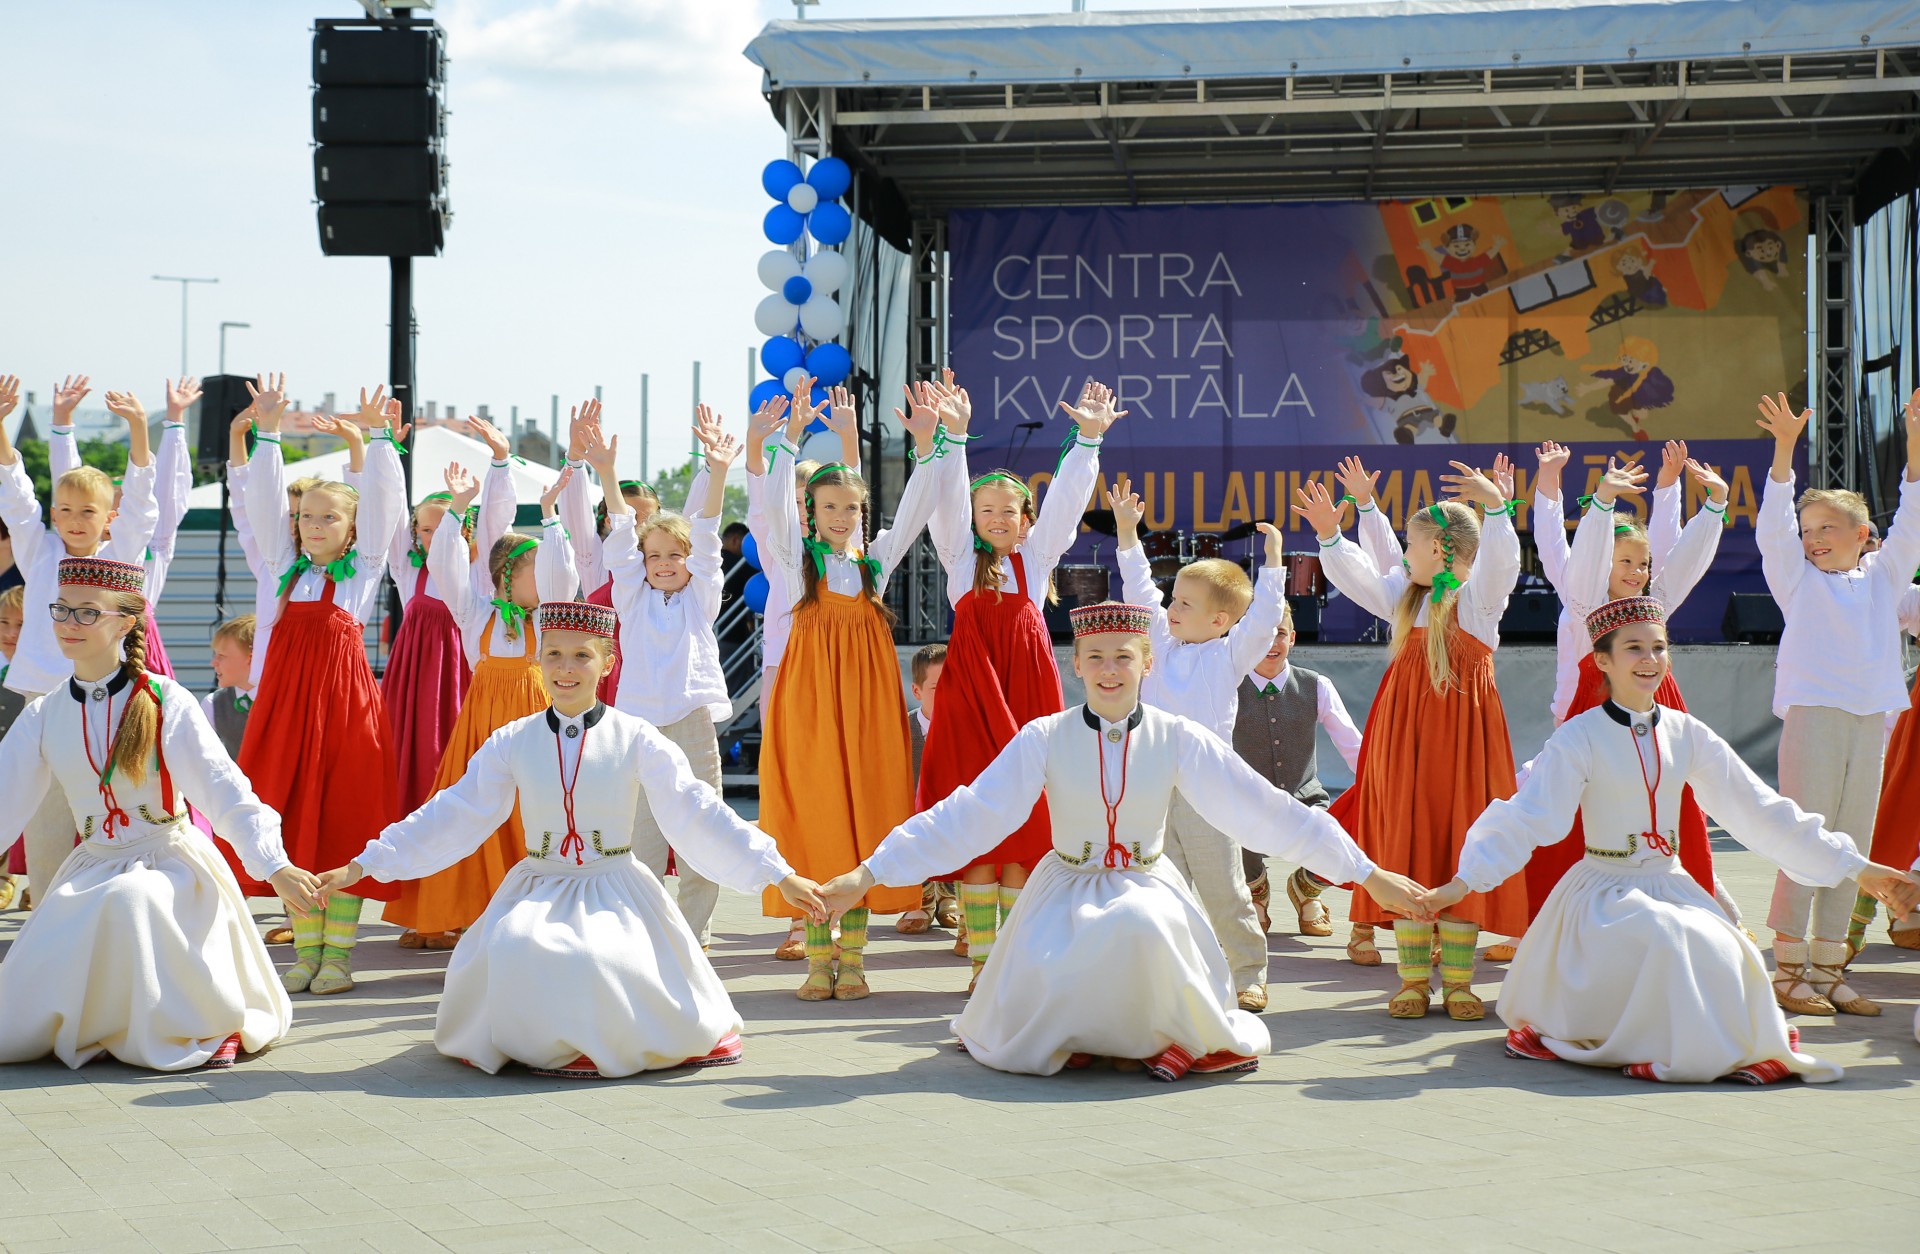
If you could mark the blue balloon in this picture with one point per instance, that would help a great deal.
(831, 177)
(797, 290)
(750, 551)
(781, 177)
(782, 225)
(765, 391)
(755, 594)
(830, 363)
(781, 354)
(829, 223)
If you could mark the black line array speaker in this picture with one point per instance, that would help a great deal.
(222, 397)
(1533, 614)
(1752, 618)
(379, 126)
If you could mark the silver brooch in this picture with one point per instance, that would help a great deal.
(99, 694)
(1115, 735)
(1640, 729)
(572, 731)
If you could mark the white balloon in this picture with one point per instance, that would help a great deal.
(802, 198)
(820, 318)
(794, 378)
(774, 316)
(777, 267)
(826, 270)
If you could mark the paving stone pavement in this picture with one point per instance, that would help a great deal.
(858, 1126)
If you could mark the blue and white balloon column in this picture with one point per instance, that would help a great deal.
(801, 319)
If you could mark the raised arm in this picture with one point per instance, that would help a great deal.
(383, 497)
(1899, 556)
(1496, 567)
(1687, 562)
(1348, 566)
(1663, 517)
(1376, 535)
(174, 470)
(1589, 572)
(138, 514)
(63, 449)
(237, 476)
(1252, 636)
(1777, 532)
(576, 511)
(456, 570)
(971, 820)
(1550, 513)
(555, 576)
(951, 527)
(1061, 509)
(498, 501)
(1136, 571)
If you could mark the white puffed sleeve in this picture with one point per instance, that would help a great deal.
(1541, 813)
(1235, 798)
(453, 823)
(204, 773)
(706, 832)
(971, 820)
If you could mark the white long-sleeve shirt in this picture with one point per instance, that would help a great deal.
(575, 507)
(381, 510)
(1052, 533)
(173, 479)
(1359, 574)
(1593, 766)
(1841, 644)
(671, 634)
(497, 507)
(38, 665)
(1201, 680)
(469, 592)
(1329, 711)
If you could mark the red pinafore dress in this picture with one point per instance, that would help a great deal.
(424, 687)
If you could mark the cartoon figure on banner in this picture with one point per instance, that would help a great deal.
(1578, 222)
(1764, 254)
(1635, 384)
(1468, 268)
(1635, 268)
(1358, 330)
(1402, 396)
(1553, 395)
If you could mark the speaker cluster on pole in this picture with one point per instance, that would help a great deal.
(379, 126)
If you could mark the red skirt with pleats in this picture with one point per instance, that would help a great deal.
(317, 748)
(1896, 826)
(425, 684)
(999, 676)
(157, 663)
(1550, 862)
(609, 682)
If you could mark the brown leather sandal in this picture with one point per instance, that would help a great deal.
(1831, 985)
(1787, 975)
(1461, 1003)
(1361, 951)
(1413, 1000)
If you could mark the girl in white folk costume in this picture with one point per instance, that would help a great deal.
(1630, 963)
(667, 579)
(79, 515)
(141, 946)
(1107, 953)
(581, 966)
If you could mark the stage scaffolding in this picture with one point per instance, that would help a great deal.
(1336, 102)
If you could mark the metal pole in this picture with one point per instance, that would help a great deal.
(400, 361)
(553, 433)
(184, 282)
(693, 442)
(643, 427)
(223, 341)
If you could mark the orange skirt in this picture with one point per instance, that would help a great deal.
(1429, 764)
(502, 690)
(1896, 825)
(836, 772)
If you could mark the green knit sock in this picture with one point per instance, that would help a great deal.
(980, 903)
(1415, 942)
(1864, 908)
(1008, 895)
(820, 942)
(853, 938)
(307, 933)
(341, 924)
(1457, 940)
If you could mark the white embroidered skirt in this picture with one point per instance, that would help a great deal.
(1114, 963)
(1635, 964)
(141, 948)
(592, 960)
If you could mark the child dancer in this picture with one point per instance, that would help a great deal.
(317, 747)
(836, 771)
(1273, 732)
(1630, 964)
(172, 481)
(1216, 626)
(82, 509)
(141, 945)
(588, 527)
(937, 899)
(1109, 954)
(1896, 823)
(227, 706)
(666, 588)
(1436, 749)
(999, 553)
(581, 967)
(427, 668)
(1836, 677)
(12, 611)
(491, 599)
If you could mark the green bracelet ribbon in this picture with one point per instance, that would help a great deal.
(339, 570)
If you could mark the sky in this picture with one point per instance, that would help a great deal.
(605, 181)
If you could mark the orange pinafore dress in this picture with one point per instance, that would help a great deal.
(502, 690)
(1429, 764)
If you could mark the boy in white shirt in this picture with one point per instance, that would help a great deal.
(1217, 626)
(1837, 674)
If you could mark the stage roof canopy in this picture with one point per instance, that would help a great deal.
(1412, 98)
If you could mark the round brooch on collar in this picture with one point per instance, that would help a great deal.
(573, 729)
(1115, 735)
(1640, 729)
(99, 694)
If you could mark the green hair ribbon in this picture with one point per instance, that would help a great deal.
(513, 614)
(1444, 582)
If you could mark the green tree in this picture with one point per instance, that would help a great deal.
(36, 458)
(672, 486)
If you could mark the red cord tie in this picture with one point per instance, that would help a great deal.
(573, 843)
(1655, 841)
(1114, 847)
(1658, 843)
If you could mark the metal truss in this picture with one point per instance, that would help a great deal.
(1834, 449)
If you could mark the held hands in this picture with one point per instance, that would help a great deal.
(1095, 412)
(1397, 894)
(804, 895)
(1673, 460)
(180, 398)
(1484, 489)
(1777, 420)
(297, 888)
(331, 882)
(496, 442)
(551, 496)
(1708, 478)
(72, 390)
(1128, 510)
(1899, 891)
(1359, 484)
(1431, 901)
(1313, 502)
(1621, 479)
(843, 892)
(463, 486)
(269, 393)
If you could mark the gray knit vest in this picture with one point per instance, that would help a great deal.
(229, 720)
(11, 703)
(1275, 734)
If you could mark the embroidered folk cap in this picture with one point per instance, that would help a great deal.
(595, 620)
(1110, 616)
(100, 572)
(1617, 614)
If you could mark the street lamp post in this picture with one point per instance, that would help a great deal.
(223, 342)
(185, 285)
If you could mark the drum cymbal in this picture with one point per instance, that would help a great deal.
(1101, 520)
(1240, 531)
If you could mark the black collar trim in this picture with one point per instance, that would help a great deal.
(115, 685)
(1093, 720)
(591, 718)
(1623, 716)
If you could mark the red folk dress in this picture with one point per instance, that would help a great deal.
(423, 689)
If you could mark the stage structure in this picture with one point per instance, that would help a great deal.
(1590, 162)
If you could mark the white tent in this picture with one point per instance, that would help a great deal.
(434, 449)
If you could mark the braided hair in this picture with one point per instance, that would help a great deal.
(139, 733)
(1457, 528)
(838, 476)
(501, 571)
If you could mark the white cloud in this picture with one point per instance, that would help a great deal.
(686, 55)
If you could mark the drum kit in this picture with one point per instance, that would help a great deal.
(1168, 551)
